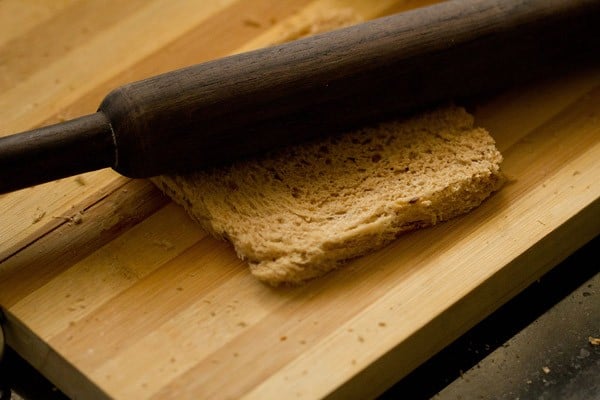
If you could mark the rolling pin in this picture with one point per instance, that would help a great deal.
(237, 106)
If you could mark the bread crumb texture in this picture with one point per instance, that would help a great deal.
(301, 211)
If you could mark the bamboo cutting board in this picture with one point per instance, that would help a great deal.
(111, 291)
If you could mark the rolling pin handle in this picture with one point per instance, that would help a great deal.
(56, 151)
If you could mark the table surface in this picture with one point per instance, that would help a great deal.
(131, 298)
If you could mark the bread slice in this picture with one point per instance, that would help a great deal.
(298, 212)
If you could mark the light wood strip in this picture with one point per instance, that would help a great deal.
(67, 242)
(32, 51)
(111, 269)
(323, 15)
(541, 99)
(86, 69)
(180, 286)
(20, 16)
(27, 214)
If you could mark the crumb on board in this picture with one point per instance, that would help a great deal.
(79, 180)
(323, 22)
(38, 215)
(594, 341)
(251, 22)
(165, 244)
(75, 219)
(546, 370)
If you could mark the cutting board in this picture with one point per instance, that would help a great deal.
(111, 291)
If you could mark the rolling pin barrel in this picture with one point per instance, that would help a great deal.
(240, 105)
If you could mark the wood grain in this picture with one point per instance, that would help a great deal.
(112, 292)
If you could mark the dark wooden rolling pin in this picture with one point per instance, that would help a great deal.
(221, 110)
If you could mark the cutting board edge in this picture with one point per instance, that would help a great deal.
(46, 360)
(380, 375)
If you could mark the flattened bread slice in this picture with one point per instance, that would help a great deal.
(301, 211)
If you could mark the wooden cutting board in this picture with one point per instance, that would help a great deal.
(111, 291)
